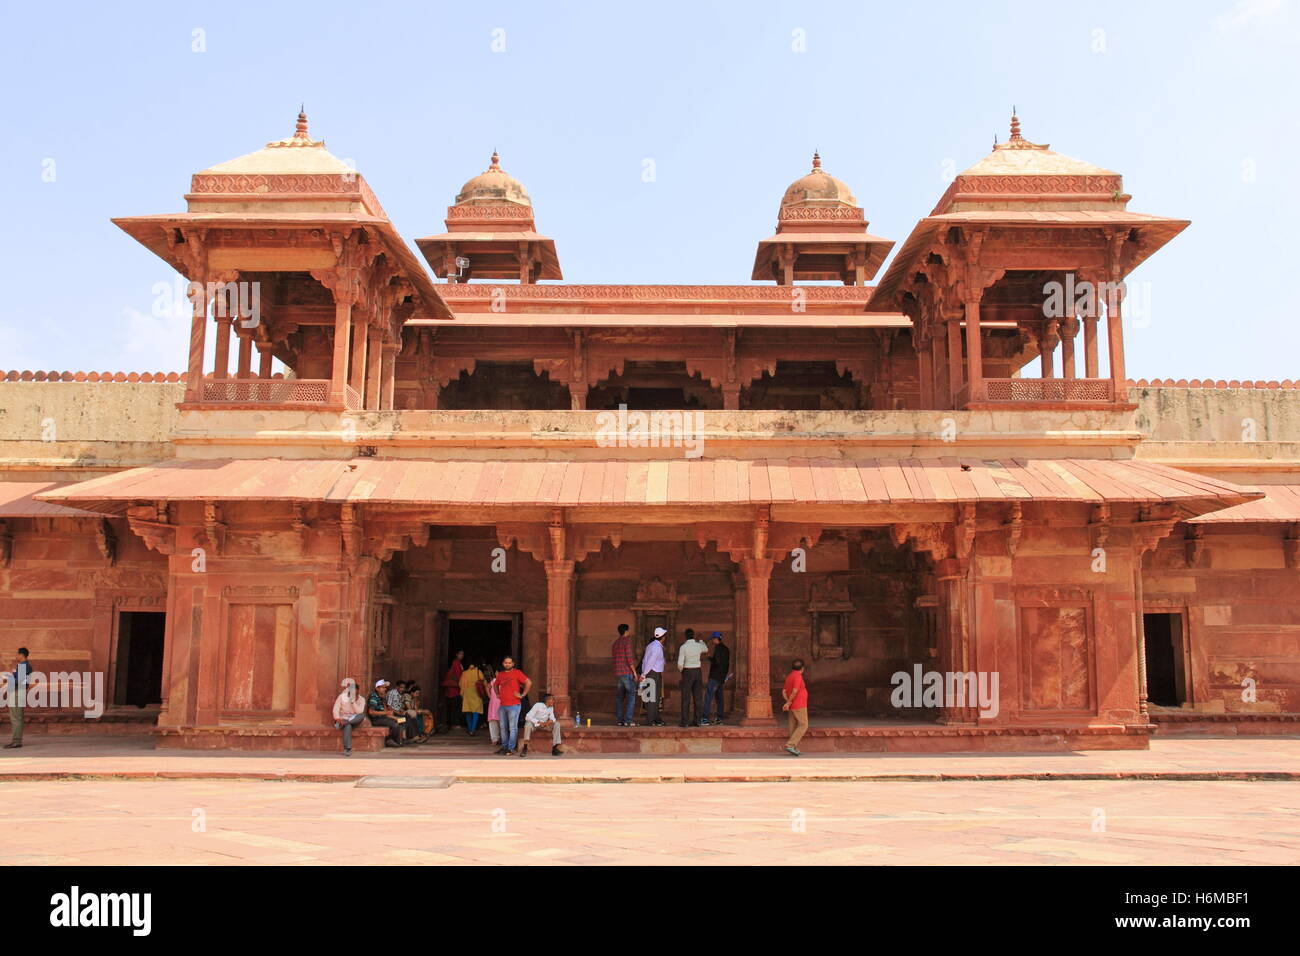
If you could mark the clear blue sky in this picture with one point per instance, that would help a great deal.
(1193, 102)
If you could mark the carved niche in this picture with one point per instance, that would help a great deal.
(656, 605)
(829, 610)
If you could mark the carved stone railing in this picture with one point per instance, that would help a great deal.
(1049, 390)
(267, 391)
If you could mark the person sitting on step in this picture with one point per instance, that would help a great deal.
(542, 717)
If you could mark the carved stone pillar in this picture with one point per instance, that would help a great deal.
(388, 377)
(559, 622)
(925, 370)
(1115, 334)
(954, 636)
(265, 353)
(198, 341)
(1069, 329)
(357, 376)
(244, 365)
(758, 701)
(939, 364)
(955, 379)
(1090, 367)
(974, 350)
(1047, 346)
(342, 333)
(731, 396)
(375, 360)
(221, 365)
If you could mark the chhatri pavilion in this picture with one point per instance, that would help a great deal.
(884, 458)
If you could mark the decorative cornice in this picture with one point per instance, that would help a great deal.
(858, 295)
(793, 213)
(491, 211)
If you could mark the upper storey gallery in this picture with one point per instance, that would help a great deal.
(1001, 297)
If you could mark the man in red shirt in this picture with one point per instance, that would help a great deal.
(795, 693)
(511, 684)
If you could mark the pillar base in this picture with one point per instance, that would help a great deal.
(758, 712)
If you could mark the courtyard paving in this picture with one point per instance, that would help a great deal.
(1220, 758)
(1101, 823)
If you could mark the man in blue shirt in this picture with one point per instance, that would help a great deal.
(18, 696)
(652, 668)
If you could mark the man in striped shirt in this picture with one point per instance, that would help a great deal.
(625, 673)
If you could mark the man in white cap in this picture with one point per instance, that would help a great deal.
(652, 668)
(349, 712)
(381, 715)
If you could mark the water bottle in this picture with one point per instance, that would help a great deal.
(577, 719)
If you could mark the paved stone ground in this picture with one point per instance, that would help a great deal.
(471, 760)
(1015, 822)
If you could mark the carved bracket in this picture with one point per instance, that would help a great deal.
(301, 527)
(964, 531)
(152, 524)
(1100, 524)
(1147, 533)
(105, 540)
(1194, 546)
(350, 530)
(214, 529)
(1015, 525)
(930, 537)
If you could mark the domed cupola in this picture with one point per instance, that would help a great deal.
(493, 185)
(821, 234)
(491, 234)
(818, 188)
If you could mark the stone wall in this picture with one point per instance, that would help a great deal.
(61, 597)
(65, 430)
(1174, 414)
(1241, 607)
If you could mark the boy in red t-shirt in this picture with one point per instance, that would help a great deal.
(511, 684)
(795, 693)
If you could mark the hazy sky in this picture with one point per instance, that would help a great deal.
(1193, 102)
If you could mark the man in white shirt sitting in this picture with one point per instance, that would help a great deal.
(542, 717)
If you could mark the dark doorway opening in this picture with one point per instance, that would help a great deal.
(1166, 664)
(484, 641)
(138, 679)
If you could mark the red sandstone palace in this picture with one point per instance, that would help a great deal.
(931, 471)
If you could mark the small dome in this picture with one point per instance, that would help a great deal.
(818, 188)
(493, 185)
